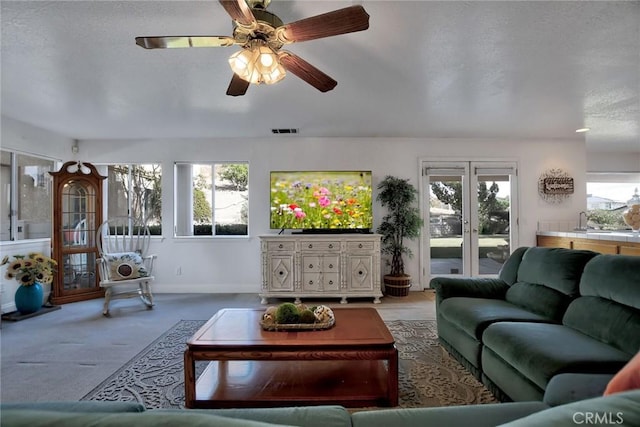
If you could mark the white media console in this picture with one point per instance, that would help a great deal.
(320, 265)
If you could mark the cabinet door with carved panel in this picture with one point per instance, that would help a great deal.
(360, 271)
(311, 273)
(320, 273)
(331, 272)
(280, 267)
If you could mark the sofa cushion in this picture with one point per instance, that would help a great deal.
(548, 279)
(37, 418)
(546, 302)
(473, 315)
(487, 415)
(609, 306)
(303, 416)
(540, 351)
(621, 409)
(509, 271)
(567, 388)
(555, 268)
(613, 277)
(607, 321)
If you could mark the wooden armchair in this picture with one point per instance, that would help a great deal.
(125, 268)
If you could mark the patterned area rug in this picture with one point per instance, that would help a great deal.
(428, 375)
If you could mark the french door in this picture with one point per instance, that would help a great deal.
(470, 217)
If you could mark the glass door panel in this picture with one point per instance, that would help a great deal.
(493, 220)
(447, 218)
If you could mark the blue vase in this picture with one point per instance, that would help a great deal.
(29, 298)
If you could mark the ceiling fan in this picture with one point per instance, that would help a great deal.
(261, 34)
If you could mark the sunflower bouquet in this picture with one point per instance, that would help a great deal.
(27, 270)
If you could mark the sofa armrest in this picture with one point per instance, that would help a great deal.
(622, 409)
(448, 287)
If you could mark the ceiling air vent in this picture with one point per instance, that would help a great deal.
(277, 131)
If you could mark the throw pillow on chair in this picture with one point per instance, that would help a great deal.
(126, 265)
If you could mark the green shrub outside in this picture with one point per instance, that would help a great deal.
(221, 230)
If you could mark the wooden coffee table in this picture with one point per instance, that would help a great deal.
(353, 364)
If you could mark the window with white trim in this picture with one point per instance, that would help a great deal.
(27, 194)
(608, 196)
(211, 199)
(135, 190)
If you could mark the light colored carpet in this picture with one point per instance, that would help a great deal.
(428, 376)
(65, 354)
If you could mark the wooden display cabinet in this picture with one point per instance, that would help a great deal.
(77, 213)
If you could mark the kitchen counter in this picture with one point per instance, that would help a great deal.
(614, 242)
(614, 236)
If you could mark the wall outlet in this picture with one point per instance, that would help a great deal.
(178, 271)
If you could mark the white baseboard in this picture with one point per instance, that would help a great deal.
(202, 288)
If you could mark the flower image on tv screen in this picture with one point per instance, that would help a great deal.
(321, 200)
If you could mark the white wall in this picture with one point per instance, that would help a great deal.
(614, 162)
(232, 264)
(27, 139)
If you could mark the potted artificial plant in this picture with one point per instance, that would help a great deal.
(401, 222)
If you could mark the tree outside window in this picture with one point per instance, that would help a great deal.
(211, 199)
(136, 190)
(608, 196)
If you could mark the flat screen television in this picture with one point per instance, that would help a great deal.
(321, 201)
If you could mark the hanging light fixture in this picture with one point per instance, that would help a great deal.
(257, 63)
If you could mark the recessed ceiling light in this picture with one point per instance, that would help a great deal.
(582, 130)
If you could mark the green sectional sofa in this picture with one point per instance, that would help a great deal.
(555, 325)
(622, 409)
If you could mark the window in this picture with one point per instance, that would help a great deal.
(136, 190)
(26, 193)
(608, 195)
(211, 199)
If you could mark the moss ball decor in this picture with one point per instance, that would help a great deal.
(287, 313)
(289, 316)
(307, 316)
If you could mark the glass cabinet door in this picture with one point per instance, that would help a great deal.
(79, 227)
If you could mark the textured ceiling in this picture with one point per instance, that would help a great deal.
(475, 69)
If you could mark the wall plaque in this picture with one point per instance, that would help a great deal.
(558, 185)
(555, 185)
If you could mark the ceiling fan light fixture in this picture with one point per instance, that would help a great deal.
(257, 64)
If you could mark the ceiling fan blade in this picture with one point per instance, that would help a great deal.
(306, 71)
(184, 41)
(341, 21)
(239, 11)
(238, 86)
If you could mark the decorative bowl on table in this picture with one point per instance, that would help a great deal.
(288, 316)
